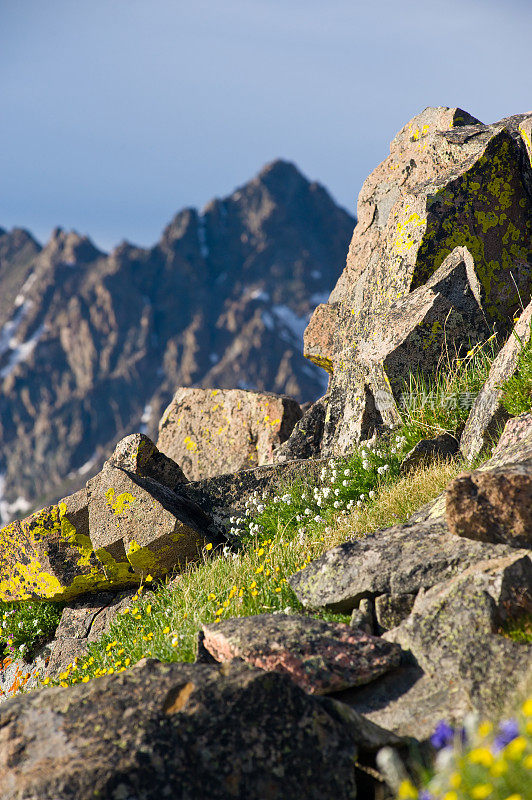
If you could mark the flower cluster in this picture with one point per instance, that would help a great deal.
(480, 761)
(24, 625)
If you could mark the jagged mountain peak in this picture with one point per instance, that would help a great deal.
(71, 247)
(96, 352)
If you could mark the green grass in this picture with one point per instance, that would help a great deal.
(520, 630)
(441, 404)
(517, 391)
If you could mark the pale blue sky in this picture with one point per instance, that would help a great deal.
(114, 114)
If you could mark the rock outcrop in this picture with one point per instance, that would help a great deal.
(453, 192)
(212, 432)
(93, 345)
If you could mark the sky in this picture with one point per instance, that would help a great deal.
(115, 114)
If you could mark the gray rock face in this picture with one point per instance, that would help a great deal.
(397, 561)
(321, 657)
(493, 505)
(84, 620)
(487, 412)
(219, 301)
(437, 196)
(214, 432)
(180, 730)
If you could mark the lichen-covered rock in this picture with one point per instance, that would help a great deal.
(305, 439)
(492, 505)
(449, 182)
(321, 657)
(214, 431)
(487, 412)
(182, 731)
(464, 612)
(50, 556)
(392, 609)
(399, 560)
(140, 527)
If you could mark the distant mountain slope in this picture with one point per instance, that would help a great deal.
(92, 346)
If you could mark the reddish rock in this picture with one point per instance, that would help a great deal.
(319, 656)
(492, 505)
(216, 431)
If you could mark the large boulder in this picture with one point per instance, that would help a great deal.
(449, 182)
(215, 431)
(488, 413)
(397, 561)
(132, 519)
(321, 657)
(139, 526)
(183, 731)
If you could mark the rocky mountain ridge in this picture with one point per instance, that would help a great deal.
(93, 345)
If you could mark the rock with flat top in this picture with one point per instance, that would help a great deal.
(398, 560)
(321, 657)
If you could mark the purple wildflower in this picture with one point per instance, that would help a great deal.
(424, 795)
(443, 735)
(508, 730)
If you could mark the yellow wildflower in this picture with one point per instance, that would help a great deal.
(484, 729)
(481, 791)
(407, 791)
(527, 707)
(515, 748)
(208, 546)
(481, 755)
